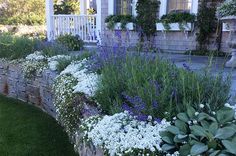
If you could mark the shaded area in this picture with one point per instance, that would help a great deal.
(26, 130)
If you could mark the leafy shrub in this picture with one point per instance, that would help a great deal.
(13, 47)
(227, 9)
(147, 15)
(206, 24)
(67, 7)
(51, 48)
(123, 19)
(151, 86)
(30, 12)
(199, 133)
(73, 43)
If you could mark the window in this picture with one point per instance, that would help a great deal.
(123, 7)
(179, 6)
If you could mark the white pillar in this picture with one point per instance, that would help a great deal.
(99, 20)
(83, 7)
(111, 7)
(134, 11)
(49, 19)
(194, 9)
(163, 8)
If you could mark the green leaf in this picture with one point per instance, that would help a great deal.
(183, 117)
(198, 149)
(203, 116)
(180, 136)
(191, 112)
(215, 153)
(230, 146)
(193, 136)
(225, 133)
(198, 131)
(181, 125)
(173, 130)
(167, 147)
(185, 150)
(225, 115)
(205, 124)
(167, 139)
(213, 128)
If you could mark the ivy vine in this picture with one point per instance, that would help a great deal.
(146, 18)
(206, 24)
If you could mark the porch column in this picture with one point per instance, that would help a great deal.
(49, 19)
(99, 20)
(83, 7)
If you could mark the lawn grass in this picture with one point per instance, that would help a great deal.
(27, 131)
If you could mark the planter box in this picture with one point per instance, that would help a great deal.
(225, 27)
(174, 27)
(129, 26)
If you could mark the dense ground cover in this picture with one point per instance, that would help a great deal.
(25, 130)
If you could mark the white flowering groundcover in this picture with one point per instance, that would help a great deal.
(118, 134)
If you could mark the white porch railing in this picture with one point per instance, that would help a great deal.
(82, 25)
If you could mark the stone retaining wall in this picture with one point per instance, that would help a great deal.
(36, 91)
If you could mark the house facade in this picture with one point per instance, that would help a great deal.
(173, 40)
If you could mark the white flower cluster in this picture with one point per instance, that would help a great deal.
(53, 61)
(63, 90)
(228, 8)
(36, 56)
(87, 82)
(122, 133)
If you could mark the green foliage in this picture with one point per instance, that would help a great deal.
(227, 9)
(178, 17)
(13, 47)
(181, 18)
(206, 23)
(28, 12)
(123, 19)
(67, 7)
(73, 43)
(52, 48)
(147, 15)
(159, 82)
(33, 68)
(199, 133)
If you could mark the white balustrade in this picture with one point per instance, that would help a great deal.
(82, 25)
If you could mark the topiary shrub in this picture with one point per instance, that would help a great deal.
(73, 43)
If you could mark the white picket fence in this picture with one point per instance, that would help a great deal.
(82, 25)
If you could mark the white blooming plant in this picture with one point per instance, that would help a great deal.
(123, 134)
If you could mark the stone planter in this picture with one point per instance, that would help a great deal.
(231, 21)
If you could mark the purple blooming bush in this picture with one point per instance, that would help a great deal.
(145, 85)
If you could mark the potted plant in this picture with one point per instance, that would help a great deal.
(176, 22)
(227, 13)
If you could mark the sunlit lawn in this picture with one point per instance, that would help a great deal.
(27, 131)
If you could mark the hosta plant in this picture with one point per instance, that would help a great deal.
(197, 133)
